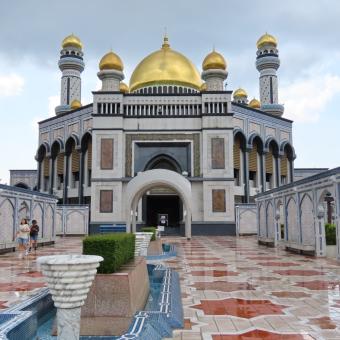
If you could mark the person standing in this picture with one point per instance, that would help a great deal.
(23, 236)
(34, 232)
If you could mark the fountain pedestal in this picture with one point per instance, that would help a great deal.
(69, 278)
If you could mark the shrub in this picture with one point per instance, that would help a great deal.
(116, 249)
(150, 230)
(330, 230)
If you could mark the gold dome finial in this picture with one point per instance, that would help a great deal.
(111, 61)
(76, 104)
(214, 60)
(165, 41)
(123, 88)
(240, 93)
(266, 39)
(254, 104)
(72, 41)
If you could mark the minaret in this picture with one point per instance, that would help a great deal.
(71, 65)
(111, 72)
(267, 63)
(240, 96)
(214, 71)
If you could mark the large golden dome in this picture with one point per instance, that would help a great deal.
(240, 93)
(266, 39)
(72, 41)
(111, 61)
(214, 60)
(165, 66)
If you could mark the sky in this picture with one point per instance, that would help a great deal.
(308, 41)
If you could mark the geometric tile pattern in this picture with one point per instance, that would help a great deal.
(259, 334)
(240, 308)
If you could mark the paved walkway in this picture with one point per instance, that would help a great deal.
(231, 289)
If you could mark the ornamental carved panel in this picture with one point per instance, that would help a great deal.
(217, 153)
(218, 200)
(195, 138)
(106, 154)
(106, 201)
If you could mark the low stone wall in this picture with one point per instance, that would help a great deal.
(17, 203)
(72, 219)
(114, 299)
(246, 219)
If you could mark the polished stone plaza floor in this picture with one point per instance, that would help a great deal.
(231, 289)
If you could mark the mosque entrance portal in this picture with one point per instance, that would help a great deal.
(166, 210)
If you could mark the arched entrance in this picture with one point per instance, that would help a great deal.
(151, 179)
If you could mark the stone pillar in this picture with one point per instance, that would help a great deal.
(66, 177)
(278, 170)
(81, 177)
(52, 172)
(246, 175)
(278, 227)
(69, 278)
(39, 175)
(320, 244)
(263, 171)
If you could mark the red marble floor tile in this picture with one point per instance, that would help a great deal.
(207, 264)
(31, 274)
(324, 322)
(278, 264)
(266, 278)
(193, 258)
(20, 286)
(288, 294)
(262, 257)
(297, 272)
(239, 307)
(223, 286)
(188, 324)
(260, 335)
(318, 285)
(213, 273)
(2, 304)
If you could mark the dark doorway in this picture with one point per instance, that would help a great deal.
(164, 204)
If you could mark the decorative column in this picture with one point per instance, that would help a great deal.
(69, 278)
(246, 174)
(52, 172)
(81, 176)
(278, 227)
(66, 177)
(263, 171)
(320, 237)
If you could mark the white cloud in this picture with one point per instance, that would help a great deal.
(305, 99)
(11, 85)
(53, 101)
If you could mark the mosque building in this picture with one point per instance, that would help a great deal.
(175, 142)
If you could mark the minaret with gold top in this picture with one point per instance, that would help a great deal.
(267, 63)
(71, 65)
(214, 71)
(111, 72)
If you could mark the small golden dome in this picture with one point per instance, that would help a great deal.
(254, 104)
(165, 67)
(111, 61)
(240, 93)
(266, 39)
(203, 87)
(72, 41)
(76, 104)
(123, 88)
(214, 60)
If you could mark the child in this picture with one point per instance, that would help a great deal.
(34, 235)
(23, 235)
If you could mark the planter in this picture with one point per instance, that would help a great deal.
(114, 299)
(69, 278)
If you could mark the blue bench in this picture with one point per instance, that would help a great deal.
(112, 228)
